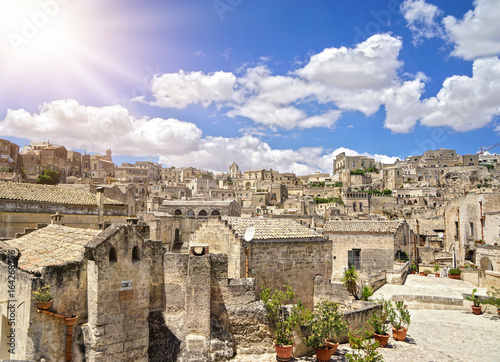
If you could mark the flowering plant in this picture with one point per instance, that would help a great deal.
(400, 316)
(42, 294)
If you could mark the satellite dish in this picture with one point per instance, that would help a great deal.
(249, 233)
(440, 234)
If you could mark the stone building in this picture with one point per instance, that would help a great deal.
(127, 298)
(352, 163)
(280, 252)
(468, 219)
(9, 154)
(369, 246)
(24, 206)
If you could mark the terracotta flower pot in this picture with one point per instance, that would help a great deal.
(323, 354)
(423, 274)
(399, 334)
(413, 271)
(284, 351)
(382, 339)
(437, 275)
(454, 276)
(70, 320)
(332, 346)
(44, 305)
(498, 310)
(476, 310)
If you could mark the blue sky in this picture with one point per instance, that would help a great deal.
(269, 84)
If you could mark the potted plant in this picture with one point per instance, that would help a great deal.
(327, 325)
(425, 272)
(350, 280)
(366, 293)
(413, 268)
(400, 320)
(454, 273)
(43, 297)
(436, 269)
(379, 329)
(281, 320)
(476, 307)
(386, 308)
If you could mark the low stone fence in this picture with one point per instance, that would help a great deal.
(398, 276)
(491, 279)
(430, 302)
(377, 280)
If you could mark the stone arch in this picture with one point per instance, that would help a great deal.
(202, 213)
(177, 212)
(215, 213)
(248, 185)
(415, 202)
(190, 212)
(486, 263)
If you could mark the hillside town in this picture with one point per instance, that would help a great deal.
(147, 262)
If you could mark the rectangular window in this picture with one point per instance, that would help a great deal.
(404, 239)
(456, 228)
(471, 229)
(354, 258)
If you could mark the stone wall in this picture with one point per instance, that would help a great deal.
(377, 252)
(290, 262)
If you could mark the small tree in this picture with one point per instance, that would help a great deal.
(49, 177)
(282, 321)
(350, 280)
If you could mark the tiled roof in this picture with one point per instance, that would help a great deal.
(269, 229)
(49, 193)
(51, 245)
(384, 227)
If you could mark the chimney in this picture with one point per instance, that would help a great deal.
(100, 203)
(56, 219)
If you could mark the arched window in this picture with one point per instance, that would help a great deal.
(202, 213)
(112, 254)
(177, 212)
(190, 212)
(135, 253)
(215, 213)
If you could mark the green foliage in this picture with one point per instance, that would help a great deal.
(350, 280)
(374, 192)
(427, 271)
(175, 197)
(401, 255)
(49, 177)
(454, 271)
(488, 166)
(387, 192)
(474, 299)
(317, 184)
(283, 322)
(366, 292)
(321, 200)
(400, 316)
(326, 324)
(413, 267)
(42, 294)
(436, 267)
(494, 297)
(338, 184)
(4, 169)
(378, 324)
(358, 172)
(372, 169)
(367, 352)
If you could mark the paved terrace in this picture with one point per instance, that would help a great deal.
(434, 335)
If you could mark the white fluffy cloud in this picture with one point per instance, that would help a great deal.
(177, 90)
(250, 152)
(465, 103)
(338, 79)
(97, 128)
(422, 19)
(477, 34)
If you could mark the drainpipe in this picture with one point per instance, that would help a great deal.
(247, 265)
(481, 219)
(69, 321)
(459, 241)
